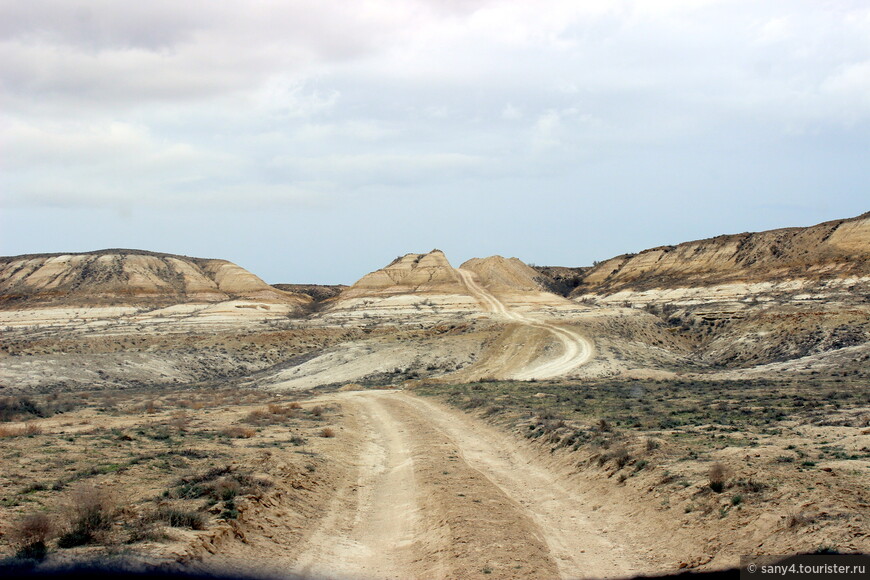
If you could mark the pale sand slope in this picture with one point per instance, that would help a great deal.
(432, 493)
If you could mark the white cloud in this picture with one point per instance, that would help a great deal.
(381, 168)
(850, 85)
(511, 113)
(547, 130)
(310, 98)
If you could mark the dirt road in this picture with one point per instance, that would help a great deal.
(576, 349)
(432, 493)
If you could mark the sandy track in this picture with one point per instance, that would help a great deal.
(576, 349)
(371, 521)
(434, 493)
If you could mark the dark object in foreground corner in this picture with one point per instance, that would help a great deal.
(106, 573)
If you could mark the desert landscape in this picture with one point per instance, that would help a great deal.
(657, 412)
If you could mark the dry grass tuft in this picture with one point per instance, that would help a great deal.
(180, 420)
(327, 432)
(23, 431)
(239, 432)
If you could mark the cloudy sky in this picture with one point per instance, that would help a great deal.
(316, 140)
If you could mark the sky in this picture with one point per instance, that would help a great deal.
(313, 141)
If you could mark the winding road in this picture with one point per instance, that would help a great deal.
(576, 349)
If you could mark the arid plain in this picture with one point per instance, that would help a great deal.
(667, 410)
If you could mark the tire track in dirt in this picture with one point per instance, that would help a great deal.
(416, 509)
(576, 349)
(419, 490)
(439, 495)
(369, 526)
(582, 546)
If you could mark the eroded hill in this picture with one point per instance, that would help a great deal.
(832, 250)
(790, 300)
(129, 277)
(794, 298)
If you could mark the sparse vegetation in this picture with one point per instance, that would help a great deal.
(716, 475)
(178, 518)
(30, 534)
(91, 513)
(77, 468)
(238, 432)
(678, 438)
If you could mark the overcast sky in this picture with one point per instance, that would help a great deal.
(314, 141)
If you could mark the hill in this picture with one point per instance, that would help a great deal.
(120, 276)
(834, 249)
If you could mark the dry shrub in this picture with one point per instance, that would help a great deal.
(317, 411)
(620, 456)
(227, 488)
(220, 484)
(143, 529)
(178, 518)
(327, 432)
(261, 417)
(151, 407)
(239, 432)
(717, 475)
(272, 414)
(91, 513)
(799, 519)
(180, 421)
(21, 408)
(652, 444)
(22, 431)
(294, 405)
(30, 533)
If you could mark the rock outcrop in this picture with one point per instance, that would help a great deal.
(110, 277)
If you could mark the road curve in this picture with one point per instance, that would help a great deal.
(576, 349)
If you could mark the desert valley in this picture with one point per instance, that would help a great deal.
(669, 410)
